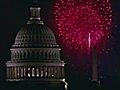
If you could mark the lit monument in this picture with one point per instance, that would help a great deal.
(35, 55)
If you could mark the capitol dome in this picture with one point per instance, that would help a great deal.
(35, 41)
(35, 35)
(35, 55)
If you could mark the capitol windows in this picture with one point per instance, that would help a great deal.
(33, 72)
(45, 72)
(62, 72)
(24, 72)
(21, 71)
(25, 38)
(49, 71)
(41, 72)
(18, 72)
(52, 71)
(24, 54)
(55, 71)
(52, 55)
(37, 72)
(46, 55)
(29, 38)
(28, 55)
(49, 55)
(28, 72)
(55, 55)
(15, 55)
(32, 55)
(41, 55)
(20, 55)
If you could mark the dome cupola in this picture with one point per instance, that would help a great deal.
(35, 33)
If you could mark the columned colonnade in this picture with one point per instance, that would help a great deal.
(24, 72)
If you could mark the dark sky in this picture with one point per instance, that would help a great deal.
(14, 14)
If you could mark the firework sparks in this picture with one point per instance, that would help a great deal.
(83, 24)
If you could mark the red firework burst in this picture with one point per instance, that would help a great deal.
(83, 24)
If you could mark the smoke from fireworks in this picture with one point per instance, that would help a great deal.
(83, 24)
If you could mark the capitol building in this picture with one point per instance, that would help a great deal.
(35, 56)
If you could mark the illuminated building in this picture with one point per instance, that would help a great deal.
(35, 56)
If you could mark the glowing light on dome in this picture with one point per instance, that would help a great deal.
(83, 24)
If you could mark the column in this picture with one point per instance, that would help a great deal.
(15, 72)
(19, 72)
(37, 72)
(26, 57)
(52, 72)
(45, 71)
(33, 72)
(20, 55)
(62, 70)
(22, 72)
(49, 72)
(41, 71)
(39, 55)
(55, 71)
(17, 55)
(11, 72)
(58, 72)
(24, 54)
(17, 68)
(28, 72)
(50, 55)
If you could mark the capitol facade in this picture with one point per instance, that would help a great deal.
(35, 55)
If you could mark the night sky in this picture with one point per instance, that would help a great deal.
(15, 13)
